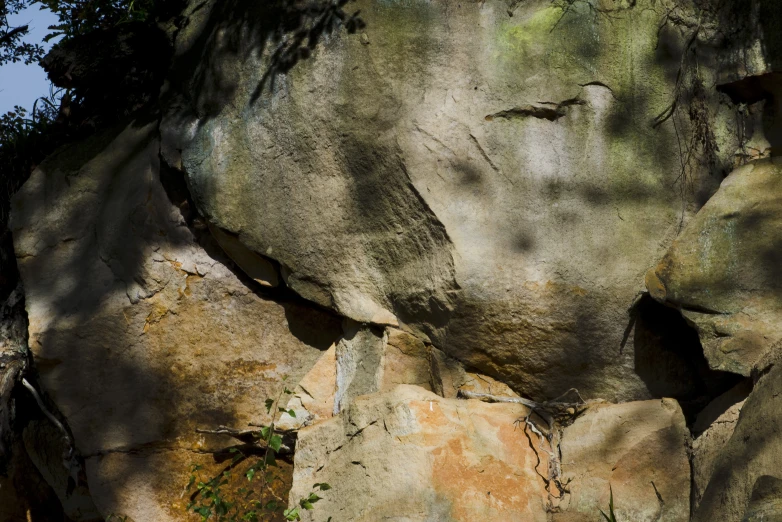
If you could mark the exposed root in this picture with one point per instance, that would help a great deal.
(54, 420)
(556, 414)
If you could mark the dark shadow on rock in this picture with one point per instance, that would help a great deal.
(274, 34)
(753, 89)
(109, 366)
(310, 323)
(670, 360)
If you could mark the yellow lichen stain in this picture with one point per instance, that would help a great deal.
(207, 388)
(190, 279)
(518, 38)
(158, 312)
(244, 368)
(577, 290)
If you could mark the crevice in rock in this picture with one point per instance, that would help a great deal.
(669, 358)
(174, 182)
(40, 468)
(550, 111)
(766, 91)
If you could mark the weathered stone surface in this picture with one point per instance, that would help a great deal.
(639, 450)
(140, 333)
(258, 268)
(724, 270)
(714, 427)
(313, 398)
(411, 455)
(476, 383)
(744, 484)
(493, 181)
(364, 362)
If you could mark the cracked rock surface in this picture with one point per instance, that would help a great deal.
(409, 454)
(139, 333)
(493, 182)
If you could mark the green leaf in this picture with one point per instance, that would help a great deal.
(271, 505)
(269, 405)
(275, 442)
(292, 413)
(270, 459)
(313, 498)
(324, 486)
(250, 474)
(306, 505)
(291, 514)
(265, 432)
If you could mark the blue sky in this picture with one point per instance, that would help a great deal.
(22, 84)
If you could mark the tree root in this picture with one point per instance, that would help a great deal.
(556, 414)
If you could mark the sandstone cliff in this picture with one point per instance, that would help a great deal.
(515, 260)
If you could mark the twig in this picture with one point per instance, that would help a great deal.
(553, 412)
(49, 415)
(253, 437)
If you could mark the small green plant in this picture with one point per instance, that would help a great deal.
(248, 495)
(611, 517)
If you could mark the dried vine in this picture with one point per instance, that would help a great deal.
(555, 414)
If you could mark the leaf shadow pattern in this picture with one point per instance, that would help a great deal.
(133, 383)
(273, 35)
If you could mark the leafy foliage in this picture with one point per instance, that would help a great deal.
(78, 17)
(12, 46)
(248, 496)
(25, 140)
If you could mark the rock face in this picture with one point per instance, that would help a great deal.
(140, 334)
(746, 477)
(714, 426)
(409, 454)
(454, 197)
(489, 178)
(638, 450)
(723, 271)
(364, 363)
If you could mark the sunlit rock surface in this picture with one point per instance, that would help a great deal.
(409, 454)
(725, 269)
(491, 179)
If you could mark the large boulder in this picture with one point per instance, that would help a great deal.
(714, 428)
(746, 477)
(487, 175)
(409, 454)
(142, 332)
(638, 451)
(724, 271)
